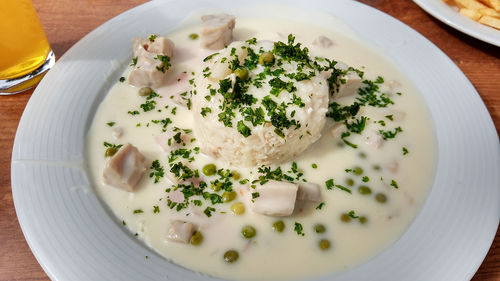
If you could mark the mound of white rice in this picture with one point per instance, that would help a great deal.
(263, 143)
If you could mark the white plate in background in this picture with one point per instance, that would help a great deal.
(450, 16)
(75, 237)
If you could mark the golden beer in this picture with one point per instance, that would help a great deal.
(23, 44)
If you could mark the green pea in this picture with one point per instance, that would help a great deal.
(197, 238)
(242, 73)
(266, 58)
(324, 244)
(235, 175)
(349, 182)
(238, 208)
(231, 256)
(248, 231)
(278, 226)
(193, 36)
(209, 169)
(110, 151)
(365, 190)
(319, 228)
(345, 217)
(146, 91)
(363, 220)
(228, 196)
(357, 171)
(381, 198)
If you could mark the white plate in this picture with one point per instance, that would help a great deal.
(443, 12)
(74, 237)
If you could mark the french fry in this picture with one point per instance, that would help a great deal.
(495, 4)
(490, 21)
(489, 12)
(472, 14)
(470, 4)
(486, 12)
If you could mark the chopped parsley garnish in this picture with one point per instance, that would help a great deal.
(165, 65)
(341, 187)
(298, 228)
(122, 79)
(157, 172)
(243, 129)
(320, 206)
(252, 41)
(405, 151)
(208, 211)
(148, 105)
(353, 215)
(345, 135)
(124, 223)
(389, 134)
(394, 184)
(152, 37)
(156, 209)
(138, 211)
(111, 124)
(134, 61)
(210, 57)
(135, 112)
(255, 195)
(357, 126)
(329, 184)
(205, 110)
(314, 166)
(389, 117)
(365, 179)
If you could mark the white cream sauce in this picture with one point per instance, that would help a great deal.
(270, 255)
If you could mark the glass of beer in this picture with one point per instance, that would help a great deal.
(25, 53)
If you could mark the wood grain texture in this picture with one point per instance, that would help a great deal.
(67, 21)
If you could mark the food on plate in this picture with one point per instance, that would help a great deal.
(227, 145)
(486, 12)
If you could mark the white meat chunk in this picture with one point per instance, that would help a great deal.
(172, 139)
(349, 84)
(125, 169)
(180, 231)
(147, 72)
(160, 45)
(275, 198)
(309, 191)
(322, 41)
(216, 31)
(150, 70)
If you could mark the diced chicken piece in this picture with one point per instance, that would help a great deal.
(172, 139)
(216, 31)
(322, 41)
(160, 45)
(180, 231)
(148, 70)
(373, 139)
(117, 132)
(275, 198)
(348, 84)
(309, 191)
(126, 168)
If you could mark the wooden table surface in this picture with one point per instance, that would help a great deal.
(67, 21)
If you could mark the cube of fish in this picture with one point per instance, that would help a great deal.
(180, 231)
(275, 198)
(148, 70)
(309, 191)
(159, 45)
(125, 169)
(216, 31)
